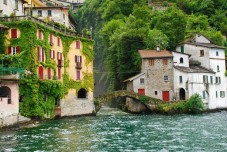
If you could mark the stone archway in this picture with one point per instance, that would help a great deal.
(82, 93)
(182, 94)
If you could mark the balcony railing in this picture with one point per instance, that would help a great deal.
(36, 20)
(78, 65)
(60, 63)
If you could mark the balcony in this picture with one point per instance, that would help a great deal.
(78, 65)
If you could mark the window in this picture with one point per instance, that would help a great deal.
(13, 50)
(222, 94)
(78, 60)
(49, 13)
(52, 54)
(216, 94)
(142, 81)
(49, 73)
(5, 2)
(59, 41)
(39, 13)
(78, 75)
(77, 44)
(218, 69)
(182, 48)
(51, 39)
(204, 94)
(205, 79)
(217, 53)
(211, 79)
(165, 61)
(156, 92)
(41, 72)
(40, 34)
(40, 54)
(13, 33)
(151, 62)
(181, 60)
(217, 80)
(180, 79)
(166, 78)
(16, 4)
(59, 56)
(201, 52)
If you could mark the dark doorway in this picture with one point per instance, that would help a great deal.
(182, 94)
(5, 92)
(82, 93)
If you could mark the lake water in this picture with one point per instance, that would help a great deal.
(113, 130)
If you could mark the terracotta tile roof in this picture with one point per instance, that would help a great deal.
(194, 69)
(155, 53)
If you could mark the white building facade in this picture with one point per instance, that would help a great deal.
(11, 8)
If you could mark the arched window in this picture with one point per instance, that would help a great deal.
(82, 93)
(181, 60)
(5, 92)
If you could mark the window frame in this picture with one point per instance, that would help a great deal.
(141, 80)
(40, 13)
(201, 53)
(166, 78)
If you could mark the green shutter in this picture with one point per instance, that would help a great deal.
(182, 49)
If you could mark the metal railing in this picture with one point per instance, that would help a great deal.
(51, 26)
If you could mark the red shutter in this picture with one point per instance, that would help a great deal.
(80, 59)
(78, 74)
(42, 54)
(38, 53)
(41, 72)
(59, 73)
(78, 44)
(40, 34)
(51, 38)
(53, 54)
(9, 50)
(58, 41)
(76, 58)
(60, 56)
(49, 73)
(13, 33)
(18, 49)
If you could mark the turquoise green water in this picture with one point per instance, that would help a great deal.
(114, 131)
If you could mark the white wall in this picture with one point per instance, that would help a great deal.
(10, 8)
(137, 85)
(176, 59)
(57, 15)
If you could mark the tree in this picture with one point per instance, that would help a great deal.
(156, 37)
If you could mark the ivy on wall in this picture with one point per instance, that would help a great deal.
(40, 96)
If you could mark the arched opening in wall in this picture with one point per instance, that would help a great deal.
(181, 60)
(182, 94)
(82, 93)
(5, 92)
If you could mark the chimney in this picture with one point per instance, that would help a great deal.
(158, 48)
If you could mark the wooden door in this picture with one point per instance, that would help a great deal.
(165, 95)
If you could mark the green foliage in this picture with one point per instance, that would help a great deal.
(194, 105)
(156, 37)
(144, 99)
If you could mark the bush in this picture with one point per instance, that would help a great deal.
(144, 99)
(195, 104)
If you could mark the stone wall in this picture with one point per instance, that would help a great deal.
(135, 106)
(8, 120)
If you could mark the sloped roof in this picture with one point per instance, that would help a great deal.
(191, 40)
(194, 69)
(134, 77)
(155, 53)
